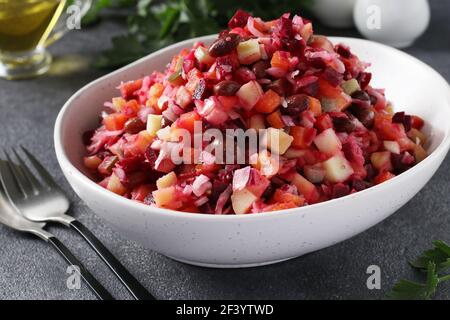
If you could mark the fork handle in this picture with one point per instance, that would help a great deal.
(127, 279)
(93, 283)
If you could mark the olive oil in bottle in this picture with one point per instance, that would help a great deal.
(26, 24)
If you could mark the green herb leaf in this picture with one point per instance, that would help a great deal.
(410, 290)
(439, 255)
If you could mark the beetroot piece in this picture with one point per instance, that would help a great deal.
(364, 79)
(239, 20)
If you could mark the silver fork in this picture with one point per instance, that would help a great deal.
(10, 217)
(44, 201)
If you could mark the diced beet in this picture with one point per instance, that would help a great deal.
(364, 79)
(87, 137)
(311, 89)
(407, 123)
(406, 120)
(270, 190)
(295, 46)
(135, 179)
(239, 20)
(151, 156)
(244, 75)
(371, 172)
(206, 208)
(218, 187)
(343, 51)
(280, 86)
(340, 190)
(398, 117)
(402, 162)
(284, 28)
(129, 164)
(353, 152)
(332, 76)
(358, 184)
(361, 95)
(343, 124)
(318, 63)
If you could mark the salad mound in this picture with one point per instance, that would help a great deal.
(326, 131)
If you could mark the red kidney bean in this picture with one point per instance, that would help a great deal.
(226, 88)
(280, 86)
(297, 103)
(342, 124)
(224, 45)
(260, 67)
(134, 126)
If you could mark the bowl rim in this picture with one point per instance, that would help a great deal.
(66, 164)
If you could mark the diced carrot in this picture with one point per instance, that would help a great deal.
(190, 208)
(154, 94)
(143, 140)
(383, 176)
(187, 120)
(92, 162)
(417, 122)
(285, 197)
(115, 186)
(275, 120)
(315, 106)
(328, 91)
(141, 192)
(131, 108)
(280, 206)
(303, 137)
(268, 102)
(324, 122)
(127, 89)
(280, 59)
(388, 130)
(115, 121)
(228, 102)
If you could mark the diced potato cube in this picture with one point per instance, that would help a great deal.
(351, 86)
(392, 146)
(115, 185)
(249, 51)
(167, 180)
(337, 169)
(242, 201)
(164, 197)
(154, 123)
(277, 140)
(328, 142)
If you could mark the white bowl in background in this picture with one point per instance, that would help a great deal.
(259, 239)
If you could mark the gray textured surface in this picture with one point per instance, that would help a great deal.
(29, 269)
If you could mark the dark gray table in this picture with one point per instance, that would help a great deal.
(30, 269)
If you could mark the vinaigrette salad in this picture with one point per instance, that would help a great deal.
(324, 131)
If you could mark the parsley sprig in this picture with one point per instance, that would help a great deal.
(433, 262)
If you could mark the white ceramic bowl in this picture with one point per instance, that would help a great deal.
(258, 239)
